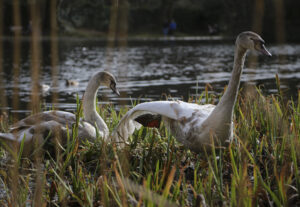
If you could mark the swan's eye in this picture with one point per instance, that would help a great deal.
(258, 43)
(261, 44)
(113, 87)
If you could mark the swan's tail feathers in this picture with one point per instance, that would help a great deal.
(149, 120)
(127, 126)
(148, 114)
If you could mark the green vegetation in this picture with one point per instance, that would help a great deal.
(260, 167)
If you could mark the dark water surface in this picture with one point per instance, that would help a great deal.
(146, 70)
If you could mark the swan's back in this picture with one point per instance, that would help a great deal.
(41, 125)
(190, 120)
(178, 116)
(62, 117)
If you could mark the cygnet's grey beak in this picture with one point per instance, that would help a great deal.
(264, 50)
(116, 91)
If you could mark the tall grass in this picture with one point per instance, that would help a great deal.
(259, 168)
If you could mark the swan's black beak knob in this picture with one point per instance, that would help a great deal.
(115, 90)
(113, 87)
(264, 50)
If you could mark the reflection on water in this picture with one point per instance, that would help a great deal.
(147, 70)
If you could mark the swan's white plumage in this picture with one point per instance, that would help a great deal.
(198, 126)
(187, 115)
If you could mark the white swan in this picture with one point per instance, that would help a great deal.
(195, 125)
(35, 128)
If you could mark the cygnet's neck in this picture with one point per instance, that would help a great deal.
(89, 106)
(228, 99)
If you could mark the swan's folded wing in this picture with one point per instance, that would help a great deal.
(7, 137)
(58, 116)
(171, 109)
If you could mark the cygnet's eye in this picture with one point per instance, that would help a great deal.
(259, 45)
(113, 87)
(258, 41)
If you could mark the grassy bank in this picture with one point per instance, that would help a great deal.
(260, 167)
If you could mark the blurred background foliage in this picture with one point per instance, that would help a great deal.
(146, 17)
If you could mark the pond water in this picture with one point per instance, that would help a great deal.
(146, 70)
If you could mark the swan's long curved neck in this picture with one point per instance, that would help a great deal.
(89, 106)
(223, 112)
(229, 97)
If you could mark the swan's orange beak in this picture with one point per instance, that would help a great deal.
(264, 50)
